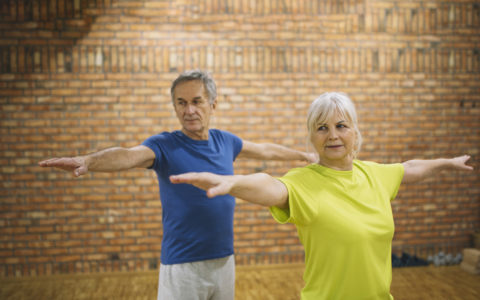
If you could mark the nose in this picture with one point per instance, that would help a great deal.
(190, 109)
(333, 134)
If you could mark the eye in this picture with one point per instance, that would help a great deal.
(322, 128)
(341, 126)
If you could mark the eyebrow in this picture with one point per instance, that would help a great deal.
(194, 98)
(339, 122)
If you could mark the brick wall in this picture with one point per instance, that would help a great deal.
(80, 76)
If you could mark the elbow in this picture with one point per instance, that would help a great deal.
(264, 177)
(408, 179)
(410, 176)
(270, 152)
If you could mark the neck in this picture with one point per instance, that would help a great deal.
(198, 136)
(346, 165)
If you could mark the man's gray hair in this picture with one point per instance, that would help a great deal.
(208, 83)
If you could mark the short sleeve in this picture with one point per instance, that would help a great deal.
(154, 143)
(236, 142)
(282, 215)
(300, 210)
(390, 177)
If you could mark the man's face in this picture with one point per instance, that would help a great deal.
(193, 109)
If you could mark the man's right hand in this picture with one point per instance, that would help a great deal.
(77, 165)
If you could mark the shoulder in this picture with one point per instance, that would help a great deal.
(379, 169)
(160, 138)
(365, 163)
(372, 164)
(299, 174)
(163, 135)
(227, 139)
(222, 133)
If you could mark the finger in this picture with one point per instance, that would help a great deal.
(60, 162)
(80, 171)
(462, 162)
(47, 162)
(216, 191)
(464, 158)
(183, 178)
(466, 167)
(176, 179)
(211, 193)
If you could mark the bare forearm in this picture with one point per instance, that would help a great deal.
(113, 159)
(419, 169)
(259, 188)
(416, 170)
(108, 160)
(277, 152)
(268, 151)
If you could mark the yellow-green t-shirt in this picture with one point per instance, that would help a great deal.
(345, 223)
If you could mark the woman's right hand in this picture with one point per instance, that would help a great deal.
(215, 185)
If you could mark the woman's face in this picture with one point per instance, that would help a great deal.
(334, 141)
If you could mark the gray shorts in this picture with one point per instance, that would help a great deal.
(212, 279)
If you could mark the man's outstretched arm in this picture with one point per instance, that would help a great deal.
(108, 160)
(268, 151)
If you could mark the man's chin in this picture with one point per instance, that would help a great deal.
(192, 128)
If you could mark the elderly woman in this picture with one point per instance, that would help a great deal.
(340, 205)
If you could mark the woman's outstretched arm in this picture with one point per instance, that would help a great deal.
(419, 169)
(259, 188)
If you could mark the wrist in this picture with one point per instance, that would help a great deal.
(86, 161)
(445, 163)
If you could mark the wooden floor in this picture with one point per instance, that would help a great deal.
(273, 282)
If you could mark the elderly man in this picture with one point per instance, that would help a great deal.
(197, 248)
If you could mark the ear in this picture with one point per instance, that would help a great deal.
(214, 104)
(356, 142)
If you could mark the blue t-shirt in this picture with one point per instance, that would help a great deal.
(195, 227)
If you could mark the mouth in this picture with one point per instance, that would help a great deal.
(334, 146)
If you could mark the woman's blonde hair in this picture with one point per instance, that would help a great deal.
(325, 106)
